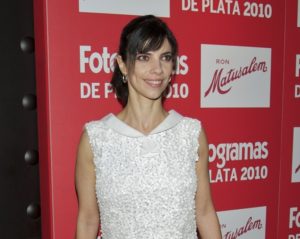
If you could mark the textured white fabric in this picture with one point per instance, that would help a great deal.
(146, 184)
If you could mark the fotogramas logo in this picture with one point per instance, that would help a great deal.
(296, 156)
(159, 8)
(235, 76)
(248, 223)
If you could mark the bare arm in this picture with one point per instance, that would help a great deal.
(88, 214)
(207, 221)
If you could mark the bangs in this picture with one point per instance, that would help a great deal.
(146, 39)
(150, 42)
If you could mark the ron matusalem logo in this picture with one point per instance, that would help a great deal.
(247, 223)
(235, 76)
(159, 8)
(296, 156)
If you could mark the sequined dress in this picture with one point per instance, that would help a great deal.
(146, 184)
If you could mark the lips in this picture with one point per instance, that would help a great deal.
(154, 83)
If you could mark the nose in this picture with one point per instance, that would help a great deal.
(156, 66)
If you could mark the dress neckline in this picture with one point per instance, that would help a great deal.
(113, 122)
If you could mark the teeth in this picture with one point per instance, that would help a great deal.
(155, 82)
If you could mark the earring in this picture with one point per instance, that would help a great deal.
(124, 79)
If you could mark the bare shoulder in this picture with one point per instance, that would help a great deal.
(88, 213)
(203, 146)
(84, 143)
(84, 152)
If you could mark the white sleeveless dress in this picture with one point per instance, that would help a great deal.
(146, 184)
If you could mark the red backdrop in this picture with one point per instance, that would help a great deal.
(238, 72)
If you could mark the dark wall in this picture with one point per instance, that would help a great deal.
(19, 177)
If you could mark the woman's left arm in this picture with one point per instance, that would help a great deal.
(206, 217)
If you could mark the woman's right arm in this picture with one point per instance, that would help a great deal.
(88, 214)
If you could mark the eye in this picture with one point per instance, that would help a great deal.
(142, 57)
(167, 57)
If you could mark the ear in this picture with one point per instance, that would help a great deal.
(122, 65)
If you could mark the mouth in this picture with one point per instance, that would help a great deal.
(154, 83)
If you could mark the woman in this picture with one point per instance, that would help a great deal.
(150, 166)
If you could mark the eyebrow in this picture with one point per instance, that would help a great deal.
(167, 52)
(150, 52)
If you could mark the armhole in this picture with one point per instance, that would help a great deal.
(197, 130)
(88, 129)
(91, 131)
(95, 133)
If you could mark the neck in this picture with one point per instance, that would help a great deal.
(143, 116)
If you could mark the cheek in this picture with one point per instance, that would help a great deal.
(135, 77)
(168, 67)
(139, 72)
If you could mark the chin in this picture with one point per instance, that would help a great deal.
(154, 97)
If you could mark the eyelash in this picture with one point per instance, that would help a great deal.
(167, 57)
(142, 57)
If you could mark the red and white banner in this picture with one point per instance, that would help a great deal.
(246, 223)
(289, 213)
(296, 156)
(126, 7)
(298, 15)
(235, 76)
(238, 72)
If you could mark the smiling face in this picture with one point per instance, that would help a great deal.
(151, 72)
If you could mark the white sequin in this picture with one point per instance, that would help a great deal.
(145, 185)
